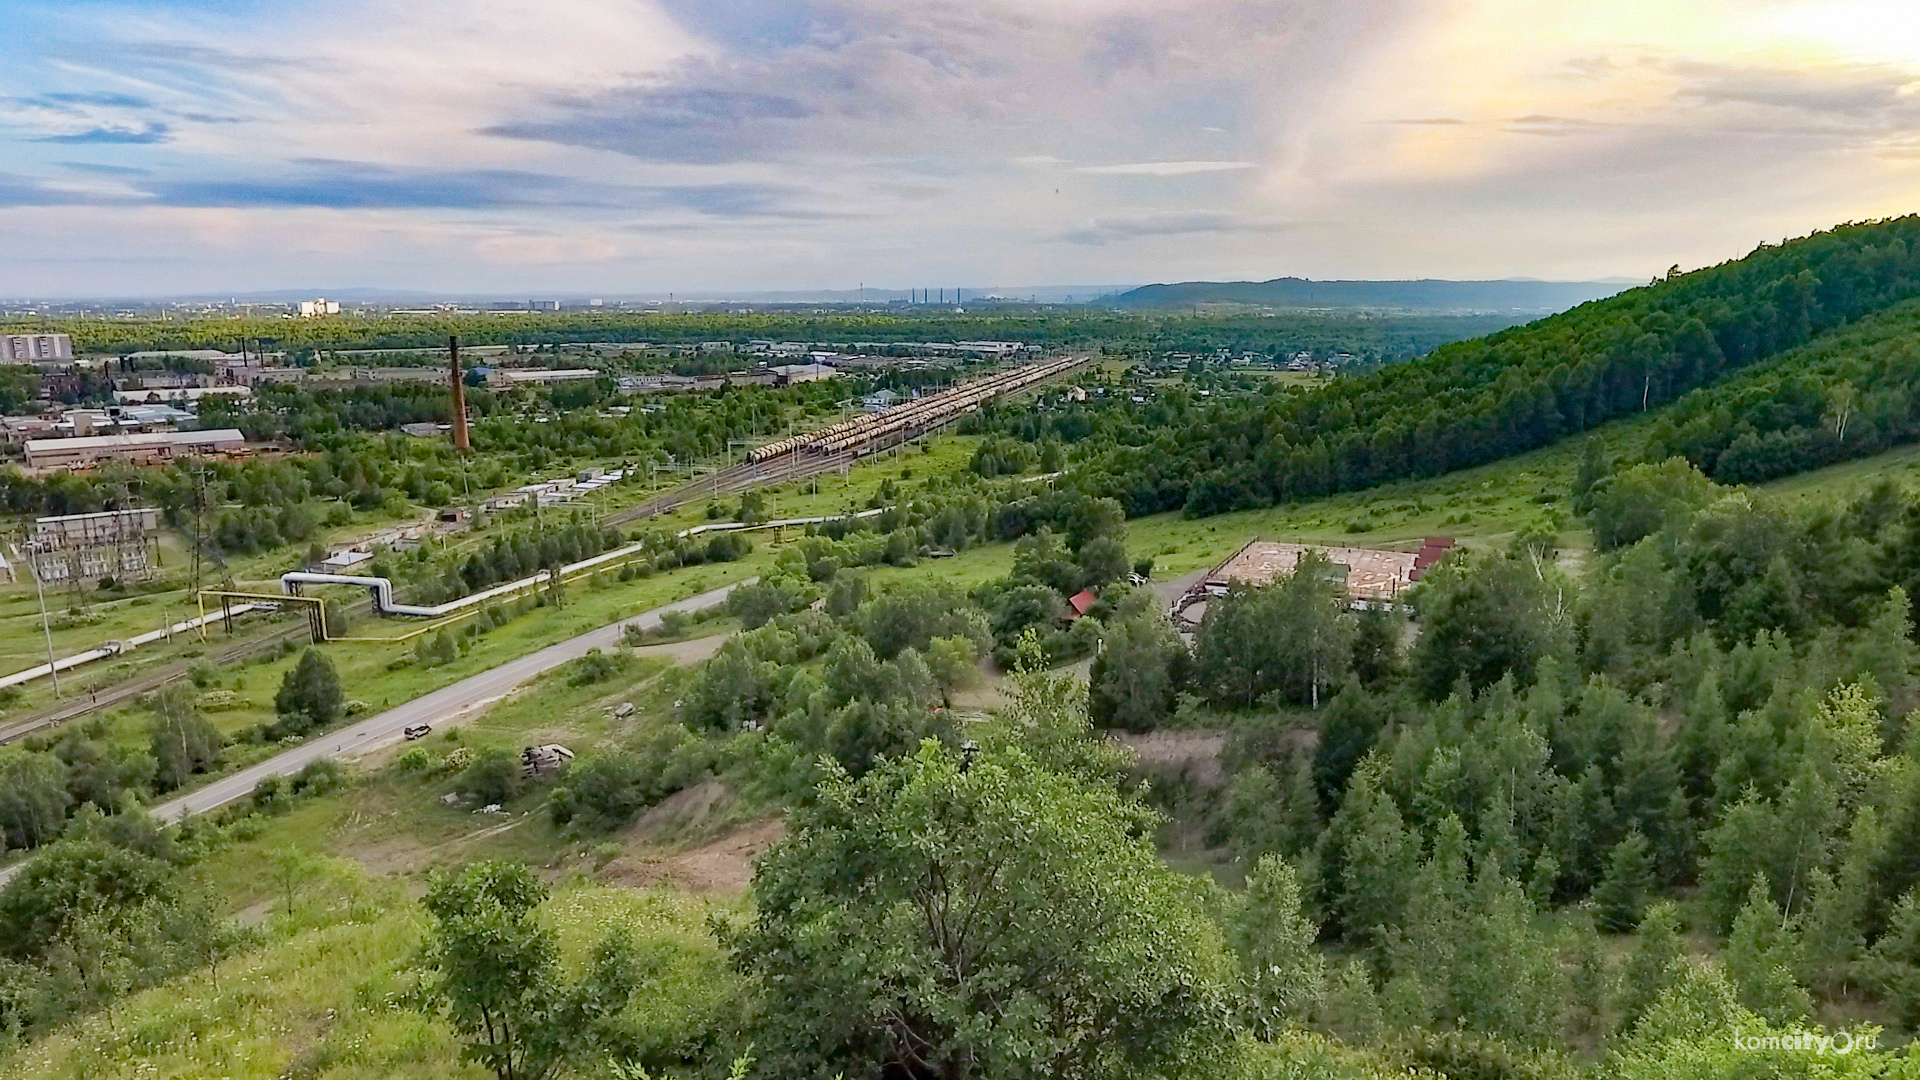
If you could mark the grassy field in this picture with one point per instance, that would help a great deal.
(321, 993)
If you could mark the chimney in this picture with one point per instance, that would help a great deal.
(460, 442)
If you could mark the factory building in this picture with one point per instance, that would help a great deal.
(140, 449)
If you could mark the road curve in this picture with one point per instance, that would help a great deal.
(384, 728)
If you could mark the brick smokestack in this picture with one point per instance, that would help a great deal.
(460, 441)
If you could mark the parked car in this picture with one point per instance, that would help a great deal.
(417, 731)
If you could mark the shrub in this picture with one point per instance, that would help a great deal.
(493, 778)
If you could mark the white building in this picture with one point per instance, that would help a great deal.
(313, 309)
(28, 348)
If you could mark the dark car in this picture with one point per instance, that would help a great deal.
(416, 731)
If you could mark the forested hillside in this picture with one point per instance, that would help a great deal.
(1478, 401)
(1846, 395)
(1536, 296)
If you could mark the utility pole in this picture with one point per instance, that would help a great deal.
(45, 627)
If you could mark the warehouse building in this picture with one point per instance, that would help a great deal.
(140, 449)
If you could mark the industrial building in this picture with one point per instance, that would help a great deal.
(538, 376)
(31, 348)
(87, 547)
(140, 449)
(789, 374)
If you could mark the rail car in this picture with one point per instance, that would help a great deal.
(920, 413)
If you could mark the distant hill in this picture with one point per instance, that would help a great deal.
(1426, 294)
(1477, 401)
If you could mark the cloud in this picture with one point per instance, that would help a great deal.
(144, 135)
(22, 191)
(1167, 168)
(681, 144)
(672, 124)
(104, 170)
(1859, 91)
(1103, 231)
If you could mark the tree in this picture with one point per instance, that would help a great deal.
(1834, 934)
(1644, 499)
(1138, 674)
(1102, 559)
(979, 916)
(1290, 639)
(180, 738)
(1485, 618)
(492, 971)
(33, 797)
(72, 879)
(1370, 857)
(494, 778)
(1658, 959)
(1761, 957)
(1892, 966)
(914, 612)
(1281, 969)
(1271, 813)
(1622, 896)
(309, 695)
(773, 595)
(1376, 645)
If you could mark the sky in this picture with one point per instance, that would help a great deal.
(618, 147)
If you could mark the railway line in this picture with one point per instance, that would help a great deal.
(106, 697)
(839, 445)
(814, 453)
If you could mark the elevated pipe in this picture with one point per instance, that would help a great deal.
(381, 589)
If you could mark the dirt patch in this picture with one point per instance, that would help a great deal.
(399, 855)
(686, 813)
(685, 652)
(1196, 753)
(724, 866)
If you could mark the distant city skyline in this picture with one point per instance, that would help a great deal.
(734, 147)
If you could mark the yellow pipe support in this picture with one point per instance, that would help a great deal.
(277, 598)
(411, 634)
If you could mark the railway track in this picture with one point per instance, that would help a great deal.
(839, 445)
(827, 450)
(107, 697)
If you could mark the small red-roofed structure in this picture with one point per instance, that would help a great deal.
(1080, 603)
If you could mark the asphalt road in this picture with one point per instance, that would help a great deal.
(385, 728)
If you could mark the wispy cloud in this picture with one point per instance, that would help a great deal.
(1103, 231)
(1167, 168)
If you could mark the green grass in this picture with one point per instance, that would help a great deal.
(1901, 465)
(321, 995)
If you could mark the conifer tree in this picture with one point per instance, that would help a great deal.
(1621, 898)
(1761, 957)
(1656, 963)
(1835, 928)
(1371, 856)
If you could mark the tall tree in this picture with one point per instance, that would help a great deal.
(980, 917)
(310, 695)
(1281, 968)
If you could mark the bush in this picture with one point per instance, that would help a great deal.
(597, 667)
(494, 777)
(608, 790)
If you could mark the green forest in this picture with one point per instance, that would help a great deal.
(1482, 400)
(1397, 336)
